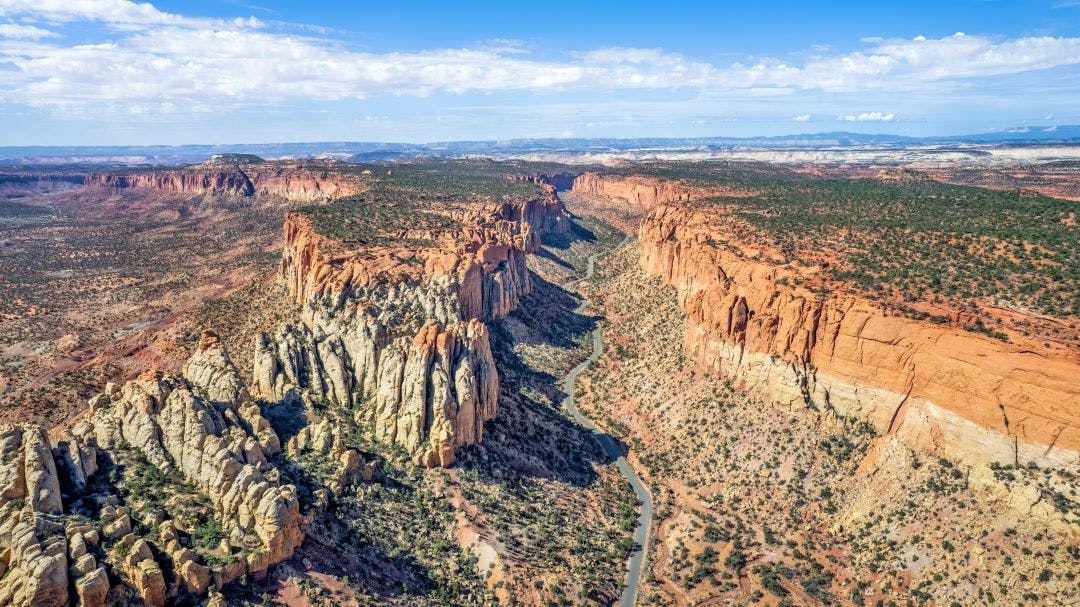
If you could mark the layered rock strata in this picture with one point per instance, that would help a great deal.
(194, 183)
(290, 181)
(398, 333)
(638, 191)
(940, 389)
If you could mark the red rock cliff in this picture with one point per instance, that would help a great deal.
(286, 180)
(482, 264)
(643, 192)
(941, 389)
(194, 183)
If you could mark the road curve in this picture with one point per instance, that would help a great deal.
(641, 534)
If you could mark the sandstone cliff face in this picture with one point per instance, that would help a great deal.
(641, 192)
(940, 389)
(399, 333)
(289, 181)
(538, 216)
(193, 183)
(429, 392)
(303, 184)
(559, 181)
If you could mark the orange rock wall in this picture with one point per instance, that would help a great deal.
(483, 265)
(943, 390)
(194, 183)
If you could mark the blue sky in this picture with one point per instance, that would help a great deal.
(101, 72)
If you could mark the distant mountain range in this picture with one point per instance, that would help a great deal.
(373, 151)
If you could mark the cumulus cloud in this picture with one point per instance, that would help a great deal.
(868, 117)
(154, 60)
(801, 118)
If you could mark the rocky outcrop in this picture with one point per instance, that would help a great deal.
(193, 576)
(324, 440)
(292, 181)
(91, 580)
(33, 550)
(210, 445)
(189, 183)
(639, 191)
(76, 458)
(200, 429)
(141, 570)
(41, 556)
(943, 390)
(211, 371)
(303, 184)
(427, 388)
(399, 332)
(559, 181)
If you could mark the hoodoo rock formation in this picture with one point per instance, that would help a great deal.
(398, 332)
(940, 389)
(33, 551)
(199, 427)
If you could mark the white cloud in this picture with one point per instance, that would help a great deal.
(801, 118)
(107, 11)
(25, 32)
(154, 60)
(868, 117)
(117, 14)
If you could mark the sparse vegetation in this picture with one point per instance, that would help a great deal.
(744, 516)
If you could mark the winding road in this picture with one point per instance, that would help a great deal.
(611, 448)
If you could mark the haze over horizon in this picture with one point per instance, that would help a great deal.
(114, 72)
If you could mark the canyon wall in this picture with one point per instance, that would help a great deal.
(193, 183)
(303, 184)
(559, 181)
(289, 181)
(944, 390)
(638, 191)
(398, 334)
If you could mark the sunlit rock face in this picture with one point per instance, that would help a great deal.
(941, 389)
(399, 333)
(292, 181)
(200, 426)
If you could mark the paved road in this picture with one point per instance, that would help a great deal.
(610, 446)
